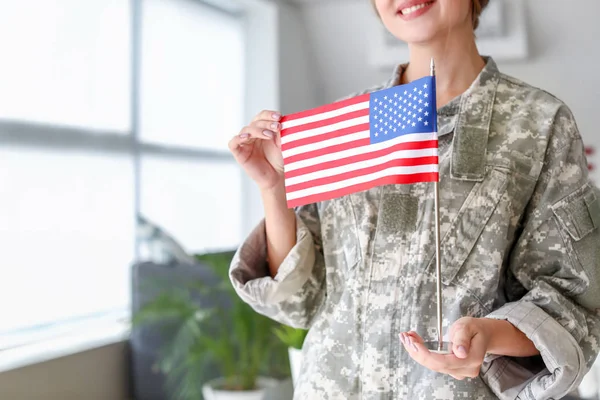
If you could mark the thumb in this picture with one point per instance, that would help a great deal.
(461, 340)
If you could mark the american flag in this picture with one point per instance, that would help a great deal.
(381, 138)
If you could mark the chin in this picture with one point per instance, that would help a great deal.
(423, 33)
(417, 35)
(421, 21)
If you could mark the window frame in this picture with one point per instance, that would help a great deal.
(31, 135)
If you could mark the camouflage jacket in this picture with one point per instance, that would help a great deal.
(520, 242)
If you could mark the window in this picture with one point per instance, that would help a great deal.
(191, 96)
(67, 234)
(198, 202)
(70, 64)
(191, 90)
(78, 162)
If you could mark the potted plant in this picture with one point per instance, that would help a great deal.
(293, 338)
(226, 336)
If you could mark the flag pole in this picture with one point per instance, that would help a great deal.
(438, 346)
(438, 261)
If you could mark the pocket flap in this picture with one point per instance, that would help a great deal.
(579, 213)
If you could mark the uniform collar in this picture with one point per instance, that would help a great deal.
(474, 114)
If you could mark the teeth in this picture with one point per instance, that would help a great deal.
(412, 9)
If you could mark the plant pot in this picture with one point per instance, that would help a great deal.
(295, 363)
(211, 391)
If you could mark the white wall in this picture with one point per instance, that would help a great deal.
(564, 54)
(298, 88)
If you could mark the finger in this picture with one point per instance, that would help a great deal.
(413, 344)
(267, 124)
(408, 343)
(268, 115)
(458, 324)
(446, 363)
(478, 346)
(258, 132)
(236, 144)
(461, 340)
(470, 367)
(416, 337)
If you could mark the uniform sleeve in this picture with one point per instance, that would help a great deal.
(552, 281)
(297, 292)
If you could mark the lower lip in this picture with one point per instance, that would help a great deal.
(417, 13)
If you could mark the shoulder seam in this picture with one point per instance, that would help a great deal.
(524, 84)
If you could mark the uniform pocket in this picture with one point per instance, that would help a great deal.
(579, 213)
(579, 217)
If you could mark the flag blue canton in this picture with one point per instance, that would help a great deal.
(403, 109)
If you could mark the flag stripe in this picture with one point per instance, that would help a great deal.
(309, 166)
(407, 162)
(325, 136)
(296, 119)
(308, 148)
(341, 124)
(327, 151)
(288, 133)
(326, 115)
(409, 157)
(363, 146)
(362, 179)
(388, 180)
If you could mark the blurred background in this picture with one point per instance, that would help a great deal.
(114, 122)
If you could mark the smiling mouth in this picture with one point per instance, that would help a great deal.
(410, 10)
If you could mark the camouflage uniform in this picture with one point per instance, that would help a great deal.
(520, 242)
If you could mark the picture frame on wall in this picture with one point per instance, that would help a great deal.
(502, 33)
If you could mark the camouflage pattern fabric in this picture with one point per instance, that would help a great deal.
(520, 242)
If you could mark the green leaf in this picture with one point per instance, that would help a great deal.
(235, 342)
(291, 337)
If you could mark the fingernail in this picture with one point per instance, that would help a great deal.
(276, 116)
(268, 134)
(402, 338)
(245, 135)
(274, 125)
(462, 350)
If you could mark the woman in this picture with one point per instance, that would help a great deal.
(520, 241)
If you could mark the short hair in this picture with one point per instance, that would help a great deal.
(478, 7)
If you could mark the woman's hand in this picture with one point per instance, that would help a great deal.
(257, 148)
(472, 339)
